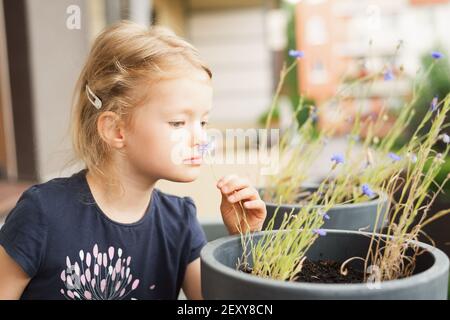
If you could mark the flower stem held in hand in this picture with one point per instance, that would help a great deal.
(250, 214)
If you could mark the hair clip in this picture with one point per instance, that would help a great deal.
(93, 98)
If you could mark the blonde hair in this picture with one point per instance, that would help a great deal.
(122, 57)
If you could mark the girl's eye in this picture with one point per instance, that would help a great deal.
(204, 123)
(177, 124)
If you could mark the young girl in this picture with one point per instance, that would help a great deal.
(106, 232)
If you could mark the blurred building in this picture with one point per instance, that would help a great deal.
(345, 40)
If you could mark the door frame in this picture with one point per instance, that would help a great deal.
(15, 17)
(5, 104)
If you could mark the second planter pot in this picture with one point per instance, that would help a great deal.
(360, 216)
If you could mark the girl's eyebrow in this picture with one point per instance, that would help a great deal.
(189, 112)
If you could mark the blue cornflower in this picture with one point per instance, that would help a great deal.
(313, 113)
(434, 103)
(413, 158)
(367, 191)
(296, 53)
(394, 157)
(324, 214)
(388, 75)
(320, 232)
(338, 158)
(437, 55)
(205, 148)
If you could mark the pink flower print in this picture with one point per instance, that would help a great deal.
(105, 260)
(88, 275)
(118, 266)
(98, 276)
(111, 253)
(88, 259)
(70, 294)
(87, 295)
(103, 285)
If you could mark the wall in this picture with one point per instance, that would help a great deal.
(233, 43)
(57, 56)
(171, 14)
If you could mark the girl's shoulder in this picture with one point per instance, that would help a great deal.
(59, 186)
(180, 207)
(44, 197)
(40, 209)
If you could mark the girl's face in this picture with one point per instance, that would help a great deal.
(167, 130)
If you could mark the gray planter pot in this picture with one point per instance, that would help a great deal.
(214, 230)
(221, 280)
(358, 216)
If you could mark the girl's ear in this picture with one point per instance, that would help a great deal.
(111, 130)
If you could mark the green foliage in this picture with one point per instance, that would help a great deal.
(436, 84)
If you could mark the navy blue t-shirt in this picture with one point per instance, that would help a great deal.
(72, 250)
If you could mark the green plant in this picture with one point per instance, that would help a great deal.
(263, 119)
(413, 168)
(380, 156)
(299, 145)
(436, 84)
(388, 257)
(290, 85)
(296, 156)
(280, 255)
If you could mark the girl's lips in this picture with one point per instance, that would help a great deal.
(193, 160)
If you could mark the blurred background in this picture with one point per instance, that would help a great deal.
(43, 45)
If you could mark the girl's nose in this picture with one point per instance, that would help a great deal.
(198, 135)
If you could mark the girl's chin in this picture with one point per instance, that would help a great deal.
(188, 173)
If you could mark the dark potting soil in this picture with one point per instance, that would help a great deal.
(326, 271)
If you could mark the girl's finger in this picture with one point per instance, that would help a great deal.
(244, 194)
(235, 184)
(219, 182)
(255, 204)
(224, 180)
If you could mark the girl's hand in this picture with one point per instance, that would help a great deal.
(234, 190)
